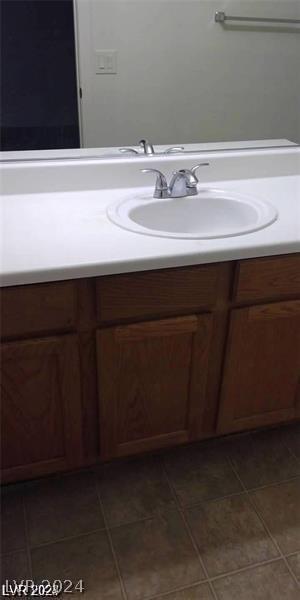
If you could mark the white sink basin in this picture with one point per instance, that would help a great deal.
(213, 213)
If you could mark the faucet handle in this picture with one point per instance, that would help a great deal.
(161, 186)
(194, 169)
(128, 151)
(174, 149)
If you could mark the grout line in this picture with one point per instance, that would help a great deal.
(28, 552)
(291, 554)
(188, 529)
(140, 520)
(287, 556)
(242, 491)
(272, 483)
(200, 503)
(66, 538)
(255, 508)
(175, 590)
(114, 554)
(246, 568)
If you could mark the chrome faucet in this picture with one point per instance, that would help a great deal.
(183, 183)
(148, 149)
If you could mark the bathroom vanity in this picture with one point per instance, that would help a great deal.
(119, 365)
(112, 358)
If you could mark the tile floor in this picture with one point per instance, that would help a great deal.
(218, 520)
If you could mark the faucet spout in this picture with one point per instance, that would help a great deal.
(181, 186)
(184, 182)
(147, 147)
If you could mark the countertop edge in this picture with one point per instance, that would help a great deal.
(65, 273)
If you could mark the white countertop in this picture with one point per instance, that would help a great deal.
(49, 236)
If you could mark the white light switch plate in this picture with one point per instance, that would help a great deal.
(106, 62)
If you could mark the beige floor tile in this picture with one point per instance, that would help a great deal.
(266, 582)
(262, 458)
(229, 535)
(156, 556)
(196, 592)
(12, 519)
(294, 562)
(200, 472)
(134, 490)
(279, 505)
(59, 507)
(88, 558)
(14, 566)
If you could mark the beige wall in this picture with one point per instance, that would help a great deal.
(184, 78)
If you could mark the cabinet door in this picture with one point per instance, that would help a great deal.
(41, 412)
(152, 383)
(261, 383)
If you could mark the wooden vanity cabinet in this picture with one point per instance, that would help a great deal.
(106, 367)
(261, 378)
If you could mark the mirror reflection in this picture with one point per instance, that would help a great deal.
(143, 76)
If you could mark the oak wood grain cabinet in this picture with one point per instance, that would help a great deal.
(40, 405)
(156, 294)
(99, 368)
(152, 383)
(269, 278)
(30, 310)
(261, 380)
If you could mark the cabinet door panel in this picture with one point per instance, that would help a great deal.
(152, 382)
(41, 412)
(262, 367)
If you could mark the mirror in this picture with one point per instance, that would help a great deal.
(166, 70)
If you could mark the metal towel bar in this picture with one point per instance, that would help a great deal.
(221, 17)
